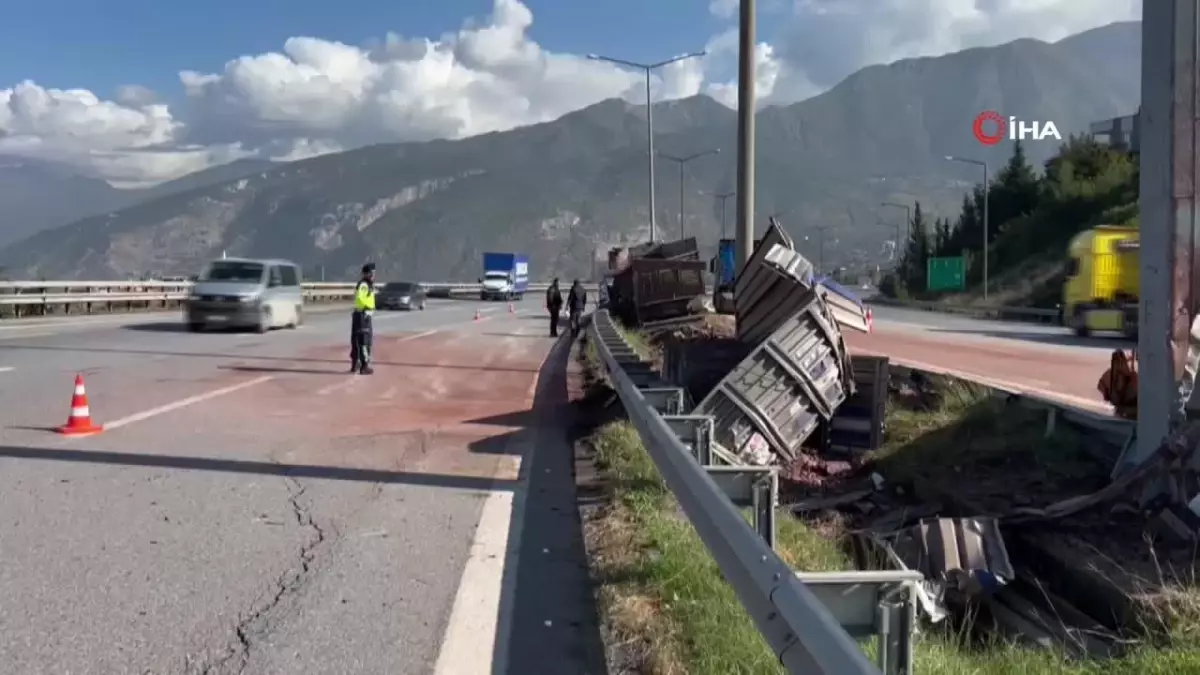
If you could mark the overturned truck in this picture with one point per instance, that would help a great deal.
(793, 374)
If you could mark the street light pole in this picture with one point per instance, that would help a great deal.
(647, 68)
(723, 196)
(902, 252)
(907, 218)
(681, 161)
(986, 245)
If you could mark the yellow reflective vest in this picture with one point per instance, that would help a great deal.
(364, 297)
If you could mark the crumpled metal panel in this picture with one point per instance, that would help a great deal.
(776, 397)
(773, 286)
(754, 281)
(857, 426)
(967, 555)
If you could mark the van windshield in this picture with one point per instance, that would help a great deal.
(237, 272)
(496, 276)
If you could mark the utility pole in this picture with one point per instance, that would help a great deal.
(682, 161)
(986, 244)
(745, 164)
(647, 68)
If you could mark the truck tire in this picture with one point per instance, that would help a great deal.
(1079, 323)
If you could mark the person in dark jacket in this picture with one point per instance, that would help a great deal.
(554, 303)
(576, 303)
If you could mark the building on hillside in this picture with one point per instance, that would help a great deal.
(1119, 132)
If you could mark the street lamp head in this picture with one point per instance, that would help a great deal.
(951, 158)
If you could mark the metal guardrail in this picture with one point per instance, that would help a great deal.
(810, 631)
(1024, 314)
(103, 295)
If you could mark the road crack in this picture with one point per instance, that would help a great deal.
(252, 626)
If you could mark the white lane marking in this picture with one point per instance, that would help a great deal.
(338, 386)
(183, 403)
(6, 369)
(475, 628)
(427, 333)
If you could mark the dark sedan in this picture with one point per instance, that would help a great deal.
(400, 295)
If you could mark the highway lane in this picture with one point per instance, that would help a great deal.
(1043, 360)
(254, 508)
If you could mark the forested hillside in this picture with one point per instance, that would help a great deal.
(1032, 216)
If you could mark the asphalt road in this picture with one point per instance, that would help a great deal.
(253, 508)
(1043, 360)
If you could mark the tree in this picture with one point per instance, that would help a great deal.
(917, 251)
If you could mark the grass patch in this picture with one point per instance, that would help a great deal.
(949, 436)
(663, 597)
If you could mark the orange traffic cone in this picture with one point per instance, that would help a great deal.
(476, 315)
(79, 423)
(510, 308)
(870, 321)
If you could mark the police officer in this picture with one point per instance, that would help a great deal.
(554, 303)
(361, 333)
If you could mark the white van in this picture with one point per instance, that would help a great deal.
(246, 293)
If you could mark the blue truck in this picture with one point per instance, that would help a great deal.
(505, 276)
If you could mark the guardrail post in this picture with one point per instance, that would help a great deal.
(665, 400)
(765, 498)
(695, 432)
(1051, 421)
(877, 603)
(756, 487)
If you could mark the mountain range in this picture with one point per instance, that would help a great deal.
(563, 191)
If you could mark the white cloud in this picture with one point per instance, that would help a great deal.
(316, 96)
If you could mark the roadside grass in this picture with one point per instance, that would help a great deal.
(664, 600)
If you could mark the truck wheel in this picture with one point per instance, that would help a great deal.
(1079, 323)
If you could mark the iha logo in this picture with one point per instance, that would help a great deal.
(990, 128)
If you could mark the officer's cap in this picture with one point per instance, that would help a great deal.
(368, 268)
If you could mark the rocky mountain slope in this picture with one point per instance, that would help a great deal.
(36, 195)
(564, 190)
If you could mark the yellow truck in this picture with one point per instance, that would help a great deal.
(1101, 291)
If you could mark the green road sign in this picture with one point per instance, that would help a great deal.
(946, 274)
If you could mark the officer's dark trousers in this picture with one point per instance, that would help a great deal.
(554, 321)
(362, 334)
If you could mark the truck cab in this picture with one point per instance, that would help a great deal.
(1102, 286)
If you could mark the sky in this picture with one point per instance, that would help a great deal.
(137, 92)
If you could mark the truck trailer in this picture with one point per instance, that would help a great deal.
(505, 276)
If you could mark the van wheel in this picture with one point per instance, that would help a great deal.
(264, 321)
(299, 318)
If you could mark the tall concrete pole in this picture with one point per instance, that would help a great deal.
(745, 165)
(1167, 197)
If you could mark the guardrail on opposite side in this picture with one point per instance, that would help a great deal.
(1023, 314)
(801, 630)
(27, 298)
